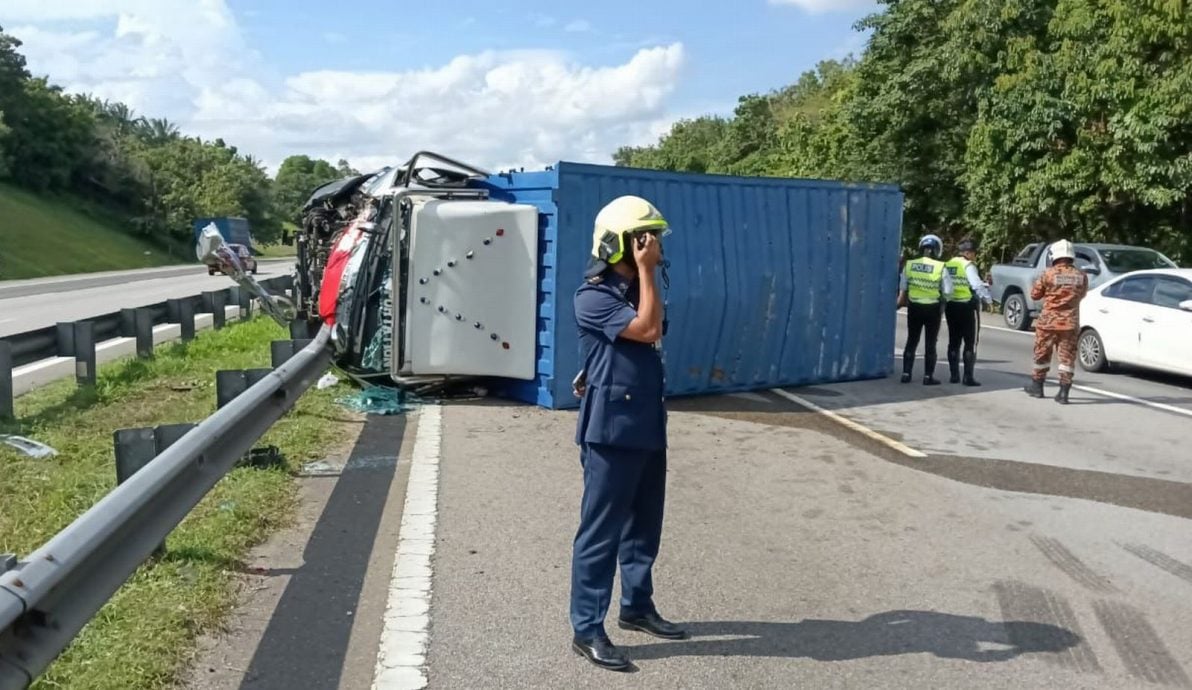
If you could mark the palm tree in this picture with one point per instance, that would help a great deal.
(160, 129)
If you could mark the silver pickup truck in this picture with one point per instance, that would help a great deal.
(1011, 284)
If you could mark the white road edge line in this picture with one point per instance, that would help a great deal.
(1127, 398)
(844, 421)
(401, 657)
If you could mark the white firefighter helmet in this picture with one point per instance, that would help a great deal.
(1062, 249)
(624, 216)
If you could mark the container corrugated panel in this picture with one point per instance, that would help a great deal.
(773, 282)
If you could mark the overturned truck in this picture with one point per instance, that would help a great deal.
(435, 273)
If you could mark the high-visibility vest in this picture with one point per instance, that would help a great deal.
(923, 278)
(961, 290)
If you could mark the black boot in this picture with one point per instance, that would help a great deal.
(1062, 396)
(908, 365)
(970, 363)
(1034, 389)
(954, 366)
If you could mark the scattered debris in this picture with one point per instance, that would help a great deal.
(327, 381)
(28, 446)
(263, 457)
(380, 401)
(320, 468)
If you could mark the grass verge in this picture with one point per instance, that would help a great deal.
(53, 235)
(143, 637)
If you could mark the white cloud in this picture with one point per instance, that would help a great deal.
(822, 6)
(578, 26)
(542, 21)
(188, 61)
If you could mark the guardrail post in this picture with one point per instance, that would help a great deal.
(136, 448)
(245, 304)
(7, 409)
(128, 323)
(282, 350)
(219, 315)
(299, 329)
(231, 383)
(84, 350)
(186, 317)
(65, 339)
(144, 330)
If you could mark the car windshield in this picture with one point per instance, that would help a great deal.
(1126, 260)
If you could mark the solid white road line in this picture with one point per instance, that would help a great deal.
(843, 421)
(401, 659)
(1128, 398)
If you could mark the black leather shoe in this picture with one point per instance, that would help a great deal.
(602, 652)
(653, 624)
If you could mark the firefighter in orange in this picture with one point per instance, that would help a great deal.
(1061, 288)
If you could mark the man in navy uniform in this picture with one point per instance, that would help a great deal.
(621, 431)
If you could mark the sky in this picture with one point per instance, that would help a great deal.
(500, 84)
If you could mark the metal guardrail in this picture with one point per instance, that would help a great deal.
(47, 598)
(53, 341)
(79, 339)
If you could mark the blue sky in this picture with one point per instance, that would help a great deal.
(499, 83)
(733, 48)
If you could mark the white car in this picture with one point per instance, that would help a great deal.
(1142, 319)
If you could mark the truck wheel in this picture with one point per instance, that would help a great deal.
(1014, 311)
(1092, 351)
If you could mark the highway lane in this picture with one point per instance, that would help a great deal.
(28, 305)
(1148, 435)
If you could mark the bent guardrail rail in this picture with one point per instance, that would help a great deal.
(47, 598)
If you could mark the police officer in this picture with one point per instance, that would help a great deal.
(621, 431)
(1061, 287)
(924, 286)
(962, 310)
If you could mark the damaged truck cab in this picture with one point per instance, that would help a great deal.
(433, 282)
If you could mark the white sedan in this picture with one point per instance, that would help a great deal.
(1142, 319)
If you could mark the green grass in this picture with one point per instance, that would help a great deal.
(277, 251)
(48, 235)
(145, 635)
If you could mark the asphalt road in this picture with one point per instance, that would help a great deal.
(884, 535)
(31, 304)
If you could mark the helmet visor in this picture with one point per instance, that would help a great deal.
(658, 229)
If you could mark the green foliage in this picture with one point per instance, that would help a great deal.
(141, 169)
(1090, 134)
(4, 134)
(298, 176)
(1009, 120)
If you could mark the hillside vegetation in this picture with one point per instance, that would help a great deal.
(44, 236)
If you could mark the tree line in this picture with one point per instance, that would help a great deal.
(1007, 120)
(141, 170)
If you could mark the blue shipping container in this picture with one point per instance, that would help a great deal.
(774, 282)
(234, 230)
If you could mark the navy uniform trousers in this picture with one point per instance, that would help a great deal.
(620, 522)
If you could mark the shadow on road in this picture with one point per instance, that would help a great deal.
(306, 642)
(884, 634)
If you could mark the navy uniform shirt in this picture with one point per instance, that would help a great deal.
(623, 404)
